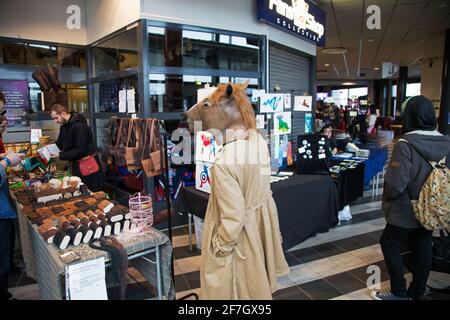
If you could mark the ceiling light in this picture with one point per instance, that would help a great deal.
(326, 65)
(348, 83)
(371, 40)
(376, 68)
(335, 50)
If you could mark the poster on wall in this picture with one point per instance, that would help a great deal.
(282, 123)
(257, 94)
(287, 101)
(303, 103)
(260, 121)
(203, 176)
(308, 123)
(205, 147)
(271, 103)
(17, 102)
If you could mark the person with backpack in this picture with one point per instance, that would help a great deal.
(415, 199)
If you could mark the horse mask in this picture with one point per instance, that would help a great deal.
(228, 107)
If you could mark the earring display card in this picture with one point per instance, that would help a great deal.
(203, 176)
(206, 147)
(312, 157)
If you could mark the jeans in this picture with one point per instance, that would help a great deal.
(393, 240)
(6, 246)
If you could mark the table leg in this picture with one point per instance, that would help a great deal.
(378, 181)
(158, 273)
(190, 231)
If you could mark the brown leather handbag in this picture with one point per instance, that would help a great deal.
(134, 145)
(152, 155)
(118, 151)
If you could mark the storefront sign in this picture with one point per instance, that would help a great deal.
(298, 17)
(17, 102)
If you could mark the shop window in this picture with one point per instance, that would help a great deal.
(106, 93)
(116, 54)
(41, 55)
(192, 49)
(177, 93)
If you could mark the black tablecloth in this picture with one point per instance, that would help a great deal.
(306, 204)
(350, 184)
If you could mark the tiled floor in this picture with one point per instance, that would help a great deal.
(331, 265)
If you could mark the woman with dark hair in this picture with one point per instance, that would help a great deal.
(408, 170)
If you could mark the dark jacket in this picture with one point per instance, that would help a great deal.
(75, 141)
(408, 171)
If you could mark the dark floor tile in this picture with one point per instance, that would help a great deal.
(181, 284)
(291, 293)
(193, 278)
(139, 291)
(371, 215)
(306, 255)
(179, 231)
(184, 252)
(291, 260)
(348, 244)
(328, 249)
(345, 282)
(356, 219)
(361, 272)
(366, 239)
(320, 290)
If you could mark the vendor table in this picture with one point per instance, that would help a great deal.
(306, 204)
(374, 165)
(350, 183)
(149, 253)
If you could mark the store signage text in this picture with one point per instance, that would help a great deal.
(300, 18)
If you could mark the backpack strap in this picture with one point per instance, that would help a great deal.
(433, 164)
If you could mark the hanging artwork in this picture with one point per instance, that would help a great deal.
(308, 123)
(287, 101)
(260, 121)
(303, 103)
(203, 176)
(282, 123)
(206, 147)
(271, 103)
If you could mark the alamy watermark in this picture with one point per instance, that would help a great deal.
(374, 280)
(73, 21)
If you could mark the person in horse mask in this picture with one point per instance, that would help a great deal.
(408, 170)
(242, 254)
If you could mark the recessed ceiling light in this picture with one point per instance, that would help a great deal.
(348, 83)
(376, 68)
(335, 50)
(326, 65)
(371, 40)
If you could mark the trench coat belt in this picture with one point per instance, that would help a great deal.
(260, 204)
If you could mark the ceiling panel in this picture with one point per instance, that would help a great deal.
(409, 31)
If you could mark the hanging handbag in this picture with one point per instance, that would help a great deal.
(118, 151)
(106, 155)
(133, 154)
(88, 165)
(152, 161)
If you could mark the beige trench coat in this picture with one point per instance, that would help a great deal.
(241, 245)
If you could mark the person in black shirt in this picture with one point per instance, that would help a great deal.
(328, 131)
(76, 142)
